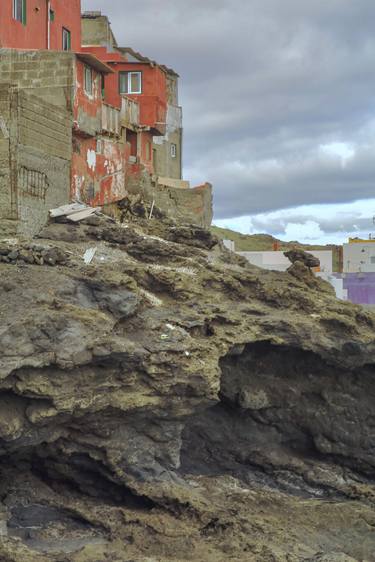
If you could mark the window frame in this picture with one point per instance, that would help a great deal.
(87, 69)
(173, 150)
(66, 33)
(129, 74)
(20, 17)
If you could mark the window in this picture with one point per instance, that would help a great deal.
(66, 39)
(88, 80)
(99, 146)
(19, 11)
(173, 150)
(130, 82)
(103, 86)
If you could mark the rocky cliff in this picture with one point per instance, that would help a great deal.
(170, 402)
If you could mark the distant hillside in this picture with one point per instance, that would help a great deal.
(265, 242)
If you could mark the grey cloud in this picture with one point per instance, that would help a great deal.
(346, 223)
(264, 83)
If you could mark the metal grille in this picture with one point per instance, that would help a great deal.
(33, 183)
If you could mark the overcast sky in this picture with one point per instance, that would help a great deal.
(279, 106)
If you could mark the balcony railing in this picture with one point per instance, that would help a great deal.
(129, 113)
(110, 120)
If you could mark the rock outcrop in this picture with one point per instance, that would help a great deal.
(170, 402)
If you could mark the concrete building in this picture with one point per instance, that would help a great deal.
(359, 271)
(359, 256)
(79, 122)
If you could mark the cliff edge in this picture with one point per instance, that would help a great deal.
(170, 402)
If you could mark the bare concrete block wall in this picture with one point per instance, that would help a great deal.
(5, 192)
(46, 74)
(43, 161)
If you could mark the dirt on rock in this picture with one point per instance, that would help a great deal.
(169, 402)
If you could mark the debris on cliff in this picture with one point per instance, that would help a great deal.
(167, 401)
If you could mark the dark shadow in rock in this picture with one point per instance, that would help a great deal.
(282, 410)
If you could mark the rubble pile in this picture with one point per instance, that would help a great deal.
(163, 400)
(14, 253)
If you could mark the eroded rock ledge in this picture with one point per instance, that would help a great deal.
(170, 402)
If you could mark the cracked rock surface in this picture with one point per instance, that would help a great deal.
(170, 402)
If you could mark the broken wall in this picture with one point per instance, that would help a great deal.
(98, 170)
(184, 205)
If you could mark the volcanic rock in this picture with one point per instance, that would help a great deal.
(170, 402)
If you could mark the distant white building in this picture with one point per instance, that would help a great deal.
(276, 261)
(359, 256)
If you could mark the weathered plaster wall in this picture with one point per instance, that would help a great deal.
(165, 164)
(98, 176)
(87, 108)
(96, 30)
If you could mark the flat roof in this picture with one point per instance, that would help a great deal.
(94, 62)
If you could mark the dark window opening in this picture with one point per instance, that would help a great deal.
(88, 80)
(66, 39)
(19, 11)
(131, 138)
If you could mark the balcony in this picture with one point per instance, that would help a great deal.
(129, 113)
(153, 114)
(111, 120)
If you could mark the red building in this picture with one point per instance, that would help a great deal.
(123, 106)
(41, 24)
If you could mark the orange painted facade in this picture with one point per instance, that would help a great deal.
(152, 99)
(98, 161)
(39, 30)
